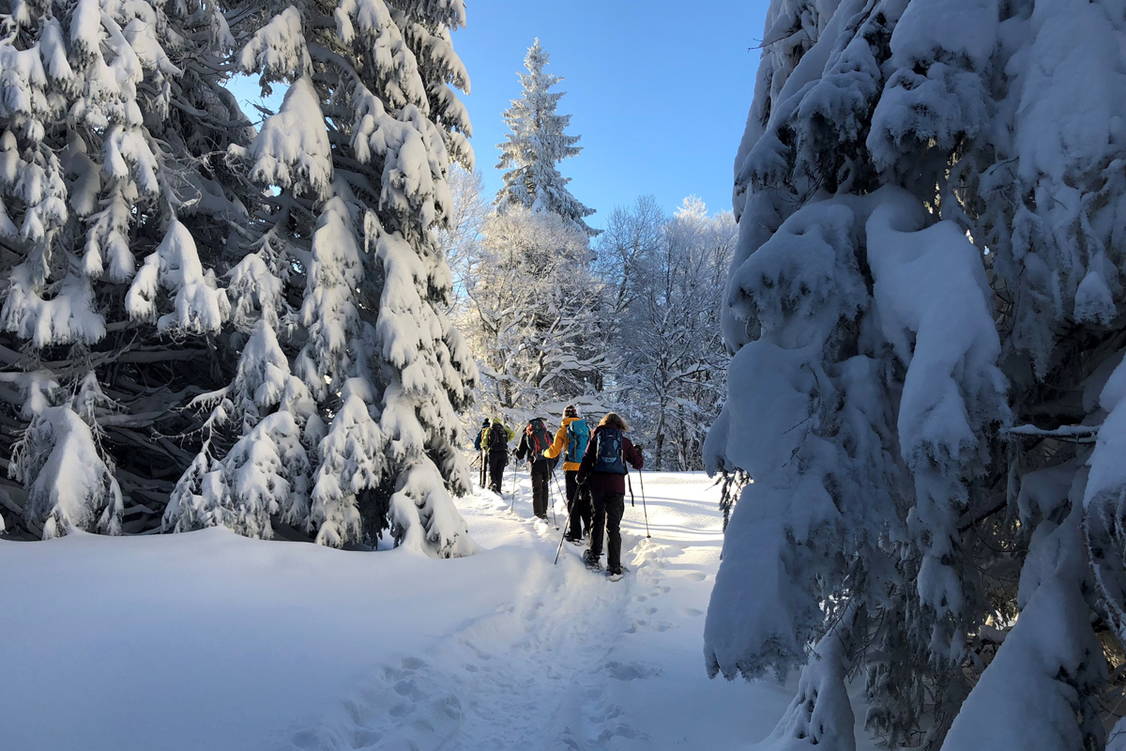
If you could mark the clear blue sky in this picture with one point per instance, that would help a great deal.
(658, 90)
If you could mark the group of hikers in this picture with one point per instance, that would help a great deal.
(594, 474)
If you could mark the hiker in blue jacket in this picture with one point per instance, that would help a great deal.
(603, 470)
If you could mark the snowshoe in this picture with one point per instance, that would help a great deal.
(615, 574)
(591, 561)
(572, 539)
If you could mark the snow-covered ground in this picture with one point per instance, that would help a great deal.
(208, 640)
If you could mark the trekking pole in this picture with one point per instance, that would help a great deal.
(561, 494)
(554, 516)
(559, 549)
(566, 522)
(512, 503)
(644, 508)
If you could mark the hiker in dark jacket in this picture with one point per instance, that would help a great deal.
(604, 470)
(533, 442)
(481, 454)
(481, 435)
(495, 440)
(571, 441)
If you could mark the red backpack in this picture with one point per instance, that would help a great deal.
(539, 440)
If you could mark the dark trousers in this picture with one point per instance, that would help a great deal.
(497, 462)
(484, 457)
(541, 473)
(608, 510)
(578, 501)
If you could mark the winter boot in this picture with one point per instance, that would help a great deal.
(592, 561)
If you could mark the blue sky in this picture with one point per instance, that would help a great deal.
(658, 90)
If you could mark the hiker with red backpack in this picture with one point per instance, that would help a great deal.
(571, 440)
(603, 470)
(535, 440)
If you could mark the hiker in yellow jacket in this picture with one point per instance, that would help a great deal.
(571, 440)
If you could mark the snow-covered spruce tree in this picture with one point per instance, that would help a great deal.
(535, 144)
(112, 128)
(534, 304)
(924, 314)
(70, 482)
(360, 151)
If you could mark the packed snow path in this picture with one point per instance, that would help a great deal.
(209, 640)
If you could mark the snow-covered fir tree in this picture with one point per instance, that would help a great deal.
(112, 129)
(533, 302)
(536, 142)
(924, 314)
(343, 414)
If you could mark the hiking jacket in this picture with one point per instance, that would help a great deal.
(477, 440)
(485, 437)
(608, 482)
(559, 445)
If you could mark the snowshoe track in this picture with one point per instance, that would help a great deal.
(545, 667)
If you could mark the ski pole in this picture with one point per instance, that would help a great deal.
(512, 503)
(566, 522)
(559, 549)
(560, 493)
(551, 497)
(644, 508)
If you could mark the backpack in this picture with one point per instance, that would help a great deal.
(498, 438)
(539, 439)
(578, 436)
(608, 452)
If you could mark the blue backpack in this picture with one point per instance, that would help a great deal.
(578, 436)
(608, 452)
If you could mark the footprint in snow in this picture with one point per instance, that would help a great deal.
(404, 707)
(631, 671)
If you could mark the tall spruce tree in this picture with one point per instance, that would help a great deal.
(533, 300)
(925, 316)
(535, 144)
(343, 415)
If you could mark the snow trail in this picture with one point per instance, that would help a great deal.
(293, 647)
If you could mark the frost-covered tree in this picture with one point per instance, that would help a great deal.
(461, 239)
(532, 315)
(360, 371)
(536, 142)
(113, 123)
(924, 316)
(666, 277)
